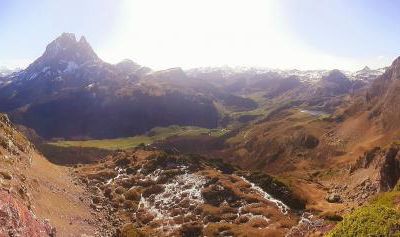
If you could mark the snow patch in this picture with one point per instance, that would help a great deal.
(45, 69)
(307, 223)
(120, 173)
(186, 186)
(71, 67)
(282, 206)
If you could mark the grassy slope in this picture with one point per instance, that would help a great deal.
(263, 106)
(381, 217)
(156, 134)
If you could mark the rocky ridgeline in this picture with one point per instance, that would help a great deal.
(154, 193)
(378, 170)
(12, 142)
(16, 215)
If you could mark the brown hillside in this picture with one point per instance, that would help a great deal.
(38, 198)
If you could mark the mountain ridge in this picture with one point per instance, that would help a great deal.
(69, 83)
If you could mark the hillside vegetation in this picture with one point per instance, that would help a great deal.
(156, 134)
(380, 217)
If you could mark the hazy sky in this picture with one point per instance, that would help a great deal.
(303, 34)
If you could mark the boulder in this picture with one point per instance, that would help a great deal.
(333, 198)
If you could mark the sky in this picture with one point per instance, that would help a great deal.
(285, 34)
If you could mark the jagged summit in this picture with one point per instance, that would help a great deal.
(67, 35)
(72, 84)
(83, 40)
(63, 55)
(67, 48)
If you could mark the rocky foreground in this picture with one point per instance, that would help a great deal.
(152, 193)
(38, 198)
(141, 192)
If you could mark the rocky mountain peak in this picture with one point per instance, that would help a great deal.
(334, 83)
(395, 67)
(128, 64)
(67, 48)
(390, 74)
(366, 68)
(83, 40)
(63, 55)
(335, 76)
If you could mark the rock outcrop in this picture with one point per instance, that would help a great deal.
(17, 220)
(16, 215)
(383, 166)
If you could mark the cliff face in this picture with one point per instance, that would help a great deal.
(384, 98)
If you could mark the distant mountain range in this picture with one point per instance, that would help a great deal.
(307, 75)
(287, 84)
(4, 71)
(69, 92)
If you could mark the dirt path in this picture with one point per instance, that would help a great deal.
(57, 198)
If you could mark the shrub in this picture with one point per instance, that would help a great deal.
(378, 218)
